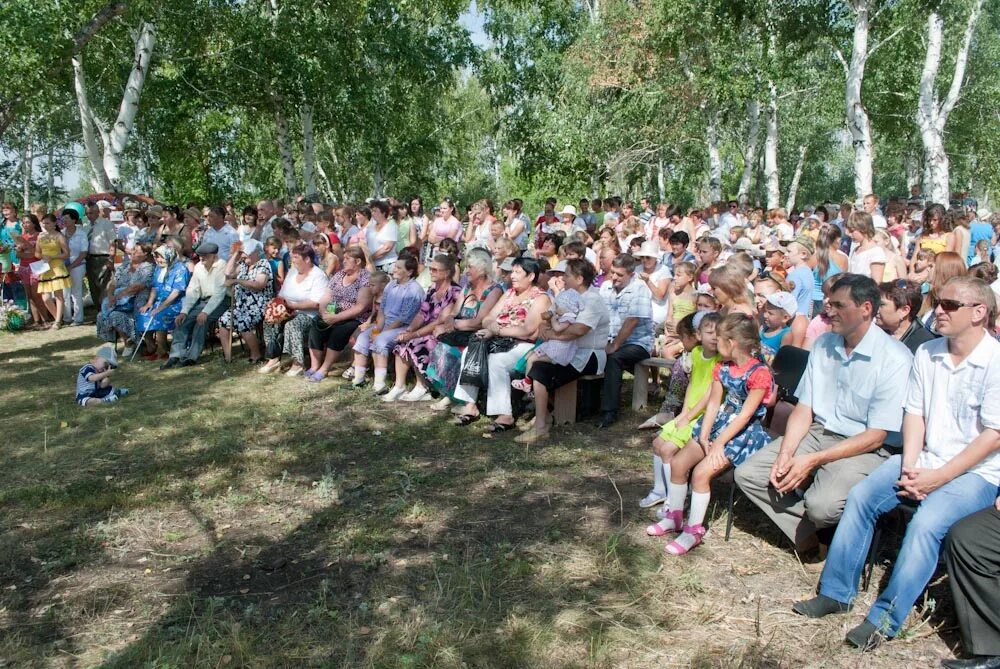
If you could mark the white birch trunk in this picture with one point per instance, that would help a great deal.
(750, 154)
(793, 189)
(117, 140)
(771, 176)
(858, 123)
(26, 173)
(88, 125)
(337, 171)
(285, 151)
(932, 116)
(911, 166)
(661, 181)
(308, 151)
(50, 186)
(325, 180)
(378, 178)
(714, 158)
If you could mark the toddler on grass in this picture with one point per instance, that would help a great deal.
(93, 381)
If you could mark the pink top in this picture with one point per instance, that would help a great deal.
(447, 228)
(817, 326)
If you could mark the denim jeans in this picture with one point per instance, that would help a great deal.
(918, 556)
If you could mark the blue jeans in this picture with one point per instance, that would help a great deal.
(918, 556)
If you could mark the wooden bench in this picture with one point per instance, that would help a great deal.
(564, 403)
(640, 387)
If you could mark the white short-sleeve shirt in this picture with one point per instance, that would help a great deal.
(956, 401)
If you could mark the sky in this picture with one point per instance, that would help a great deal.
(471, 20)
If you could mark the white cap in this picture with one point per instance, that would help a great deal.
(569, 209)
(784, 300)
(983, 213)
(308, 226)
(648, 250)
(104, 204)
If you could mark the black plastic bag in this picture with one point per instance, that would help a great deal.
(475, 370)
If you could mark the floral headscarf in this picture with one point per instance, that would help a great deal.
(166, 252)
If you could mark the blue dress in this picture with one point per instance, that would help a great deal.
(754, 436)
(175, 278)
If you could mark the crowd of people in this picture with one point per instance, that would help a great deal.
(491, 313)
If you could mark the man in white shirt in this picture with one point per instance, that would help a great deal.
(102, 238)
(949, 468)
(870, 204)
(220, 233)
(78, 243)
(205, 300)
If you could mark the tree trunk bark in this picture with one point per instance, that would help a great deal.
(714, 158)
(28, 160)
(911, 165)
(750, 154)
(793, 189)
(932, 116)
(378, 178)
(88, 125)
(771, 176)
(661, 181)
(50, 187)
(858, 123)
(117, 139)
(308, 151)
(325, 180)
(285, 151)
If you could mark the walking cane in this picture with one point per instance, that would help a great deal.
(142, 339)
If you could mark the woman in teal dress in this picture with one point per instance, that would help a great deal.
(170, 280)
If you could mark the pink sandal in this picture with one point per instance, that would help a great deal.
(696, 531)
(524, 385)
(657, 530)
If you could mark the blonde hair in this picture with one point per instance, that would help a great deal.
(743, 262)
(741, 329)
(732, 282)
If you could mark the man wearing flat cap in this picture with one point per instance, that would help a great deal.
(205, 300)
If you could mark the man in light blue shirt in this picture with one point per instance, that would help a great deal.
(850, 407)
(630, 304)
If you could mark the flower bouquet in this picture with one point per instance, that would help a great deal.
(12, 317)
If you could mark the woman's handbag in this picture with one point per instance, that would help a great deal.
(277, 312)
(456, 338)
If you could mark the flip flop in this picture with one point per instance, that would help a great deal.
(496, 428)
(466, 419)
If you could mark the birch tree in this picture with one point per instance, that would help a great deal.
(750, 151)
(932, 113)
(106, 144)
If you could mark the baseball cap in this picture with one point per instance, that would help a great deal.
(784, 300)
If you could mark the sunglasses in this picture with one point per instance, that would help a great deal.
(950, 306)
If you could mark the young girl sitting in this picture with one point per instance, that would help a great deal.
(677, 432)
(727, 434)
(566, 308)
(680, 371)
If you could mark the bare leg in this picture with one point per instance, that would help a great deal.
(402, 369)
(541, 407)
(685, 461)
(253, 344)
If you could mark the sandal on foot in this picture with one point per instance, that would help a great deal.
(496, 428)
(661, 528)
(695, 532)
(524, 385)
(466, 419)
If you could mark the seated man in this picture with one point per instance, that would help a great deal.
(630, 304)
(950, 466)
(972, 553)
(205, 301)
(850, 403)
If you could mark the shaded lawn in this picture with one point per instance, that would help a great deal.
(220, 518)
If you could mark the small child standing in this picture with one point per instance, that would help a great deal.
(727, 434)
(776, 315)
(565, 310)
(682, 298)
(676, 433)
(93, 381)
(800, 277)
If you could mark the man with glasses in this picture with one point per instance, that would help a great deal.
(949, 467)
(850, 404)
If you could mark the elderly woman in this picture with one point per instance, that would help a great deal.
(400, 304)
(129, 288)
(478, 298)
(302, 290)
(414, 345)
(589, 333)
(157, 315)
(248, 273)
(512, 325)
(345, 305)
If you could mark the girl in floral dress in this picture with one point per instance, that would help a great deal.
(728, 432)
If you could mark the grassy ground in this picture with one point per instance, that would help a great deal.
(218, 518)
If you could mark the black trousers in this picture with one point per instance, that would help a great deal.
(624, 358)
(335, 337)
(972, 553)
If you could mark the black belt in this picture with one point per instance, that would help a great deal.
(98, 255)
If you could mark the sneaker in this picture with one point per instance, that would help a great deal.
(394, 394)
(348, 373)
(652, 499)
(418, 394)
(128, 351)
(121, 392)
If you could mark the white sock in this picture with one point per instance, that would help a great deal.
(699, 507)
(659, 486)
(359, 373)
(676, 492)
(380, 373)
(665, 468)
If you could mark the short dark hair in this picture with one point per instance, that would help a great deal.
(578, 248)
(409, 263)
(680, 237)
(581, 268)
(862, 288)
(624, 261)
(305, 251)
(902, 293)
(529, 265)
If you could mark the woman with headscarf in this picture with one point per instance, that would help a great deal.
(157, 315)
(249, 274)
(129, 288)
